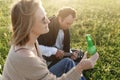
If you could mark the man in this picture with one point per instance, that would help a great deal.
(57, 41)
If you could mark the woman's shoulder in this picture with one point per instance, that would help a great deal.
(25, 53)
(21, 52)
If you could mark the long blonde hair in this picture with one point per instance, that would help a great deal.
(22, 17)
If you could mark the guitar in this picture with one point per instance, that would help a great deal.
(67, 54)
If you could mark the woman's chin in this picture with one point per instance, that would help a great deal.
(45, 31)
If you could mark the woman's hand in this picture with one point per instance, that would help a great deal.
(88, 63)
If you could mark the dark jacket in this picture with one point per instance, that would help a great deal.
(49, 39)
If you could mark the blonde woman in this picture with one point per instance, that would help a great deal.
(24, 61)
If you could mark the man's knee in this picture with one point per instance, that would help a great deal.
(68, 60)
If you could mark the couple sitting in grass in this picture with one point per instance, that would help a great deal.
(35, 35)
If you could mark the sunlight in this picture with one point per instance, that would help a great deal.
(62, 3)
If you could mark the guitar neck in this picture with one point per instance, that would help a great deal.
(67, 54)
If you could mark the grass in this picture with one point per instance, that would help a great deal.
(100, 18)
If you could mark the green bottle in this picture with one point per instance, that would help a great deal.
(90, 48)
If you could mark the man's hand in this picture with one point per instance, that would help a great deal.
(59, 54)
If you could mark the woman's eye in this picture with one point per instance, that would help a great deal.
(44, 20)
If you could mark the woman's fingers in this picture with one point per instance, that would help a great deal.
(94, 58)
(85, 56)
(88, 63)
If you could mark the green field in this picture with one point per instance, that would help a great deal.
(100, 18)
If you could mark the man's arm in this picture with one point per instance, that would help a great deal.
(47, 51)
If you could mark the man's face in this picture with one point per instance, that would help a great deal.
(66, 22)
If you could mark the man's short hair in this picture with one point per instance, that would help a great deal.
(66, 11)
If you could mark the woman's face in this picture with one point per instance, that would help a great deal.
(41, 22)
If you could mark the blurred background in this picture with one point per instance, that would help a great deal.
(100, 18)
